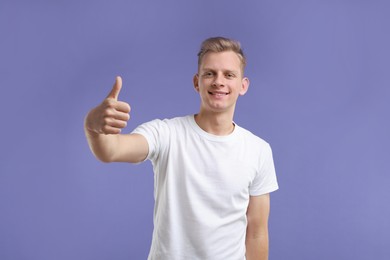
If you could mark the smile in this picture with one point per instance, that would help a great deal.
(218, 93)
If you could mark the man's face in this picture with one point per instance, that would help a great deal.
(220, 81)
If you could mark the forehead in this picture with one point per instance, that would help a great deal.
(221, 60)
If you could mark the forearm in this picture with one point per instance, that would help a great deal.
(103, 125)
(257, 247)
(102, 146)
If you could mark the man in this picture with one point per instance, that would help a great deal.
(212, 177)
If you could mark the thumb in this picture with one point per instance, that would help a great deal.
(116, 88)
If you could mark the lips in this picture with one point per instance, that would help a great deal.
(218, 93)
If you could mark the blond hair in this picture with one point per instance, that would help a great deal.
(220, 44)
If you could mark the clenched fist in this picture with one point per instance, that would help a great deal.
(111, 115)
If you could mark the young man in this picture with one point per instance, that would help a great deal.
(212, 177)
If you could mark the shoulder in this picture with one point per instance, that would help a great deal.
(252, 138)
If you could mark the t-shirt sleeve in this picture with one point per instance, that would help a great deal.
(265, 180)
(154, 132)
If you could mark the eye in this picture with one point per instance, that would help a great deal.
(208, 74)
(230, 75)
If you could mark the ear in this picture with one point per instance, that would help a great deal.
(244, 86)
(195, 81)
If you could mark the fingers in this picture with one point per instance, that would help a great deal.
(111, 116)
(116, 123)
(121, 116)
(110, 130)
(116, 88)
(122, 107)
(116, 105)
(113, 124)
(114, 116)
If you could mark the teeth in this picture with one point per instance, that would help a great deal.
(218, 94)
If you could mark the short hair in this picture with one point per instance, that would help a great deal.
(221, 44)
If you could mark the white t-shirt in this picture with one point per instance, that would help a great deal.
(202, 188)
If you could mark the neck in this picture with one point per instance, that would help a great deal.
(215, 123)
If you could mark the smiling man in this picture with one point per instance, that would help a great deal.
(212, 177)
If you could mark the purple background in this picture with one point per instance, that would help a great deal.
(319, 94)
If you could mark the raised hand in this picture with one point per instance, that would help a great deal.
(111, 116)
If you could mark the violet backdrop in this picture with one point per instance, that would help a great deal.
(319, 94)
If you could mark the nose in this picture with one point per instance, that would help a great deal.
(219, 80)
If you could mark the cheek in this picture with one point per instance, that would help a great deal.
(202, 85)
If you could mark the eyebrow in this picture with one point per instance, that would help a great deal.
(225, 71)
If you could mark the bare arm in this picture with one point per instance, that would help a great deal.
(103, 125)
(257, 230)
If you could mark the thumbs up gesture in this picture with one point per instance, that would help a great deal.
(111, 115)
